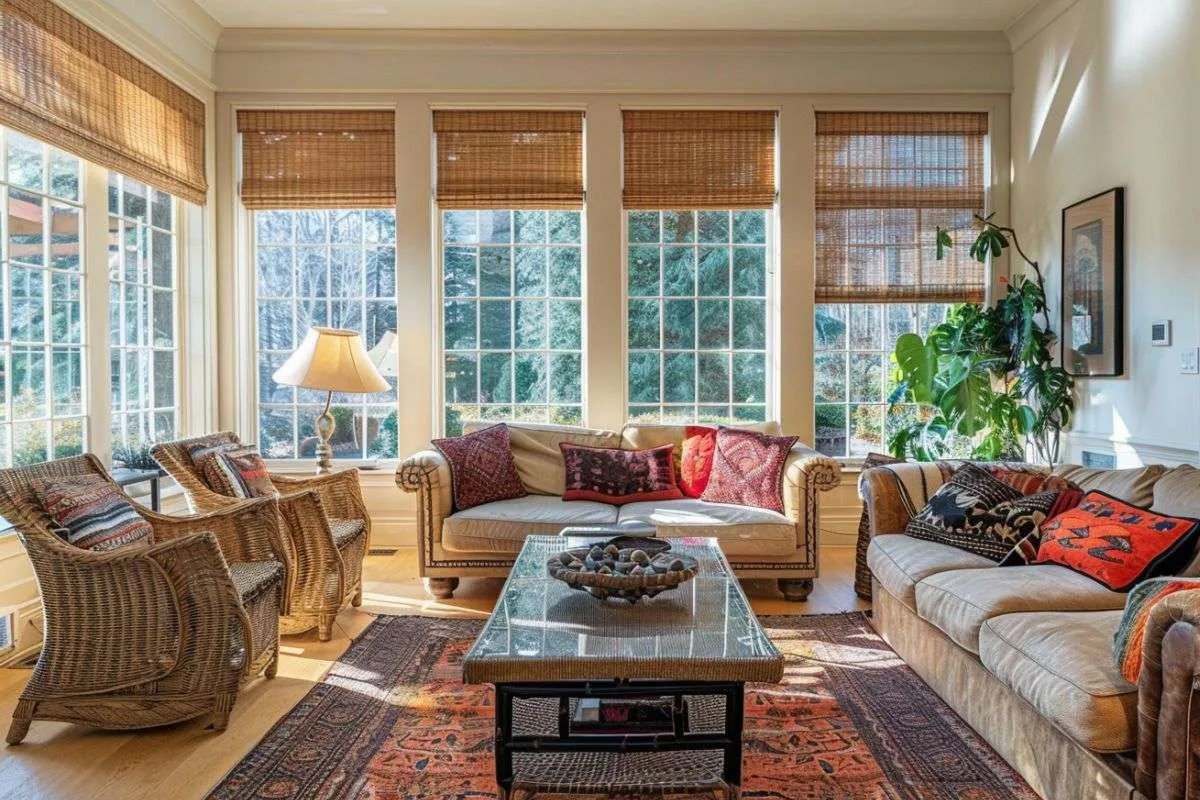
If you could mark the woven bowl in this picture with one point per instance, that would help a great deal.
(614, 575)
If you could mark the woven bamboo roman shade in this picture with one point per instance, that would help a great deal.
(66, 84)
(337, 158)
(509, 159)
(884, 183)
(699, 159)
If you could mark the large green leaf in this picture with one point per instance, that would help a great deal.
(917, 363)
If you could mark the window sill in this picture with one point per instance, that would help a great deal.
(308, 466)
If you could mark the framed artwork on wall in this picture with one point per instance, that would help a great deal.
(1093, 303)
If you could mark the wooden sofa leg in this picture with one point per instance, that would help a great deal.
(441, 588)
(796, 590)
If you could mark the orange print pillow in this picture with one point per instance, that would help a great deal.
(1116, 543)
(696, 459)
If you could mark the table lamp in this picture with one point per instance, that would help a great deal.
(385, 355)
(331, 360)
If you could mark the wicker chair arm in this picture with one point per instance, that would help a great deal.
(316, 561)
(249, 530)
(175, 606)
(1168, 701)
(340, 492)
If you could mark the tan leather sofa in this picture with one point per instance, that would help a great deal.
(483, 541)
(1025, 654)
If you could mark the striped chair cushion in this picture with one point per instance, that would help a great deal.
(91, 513)
(205, 457)
(245, 472)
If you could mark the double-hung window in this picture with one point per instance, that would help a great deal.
(699, 189)
(510, 197)
(142, 301)
(884, 183)
(320, 186)
(43, 404)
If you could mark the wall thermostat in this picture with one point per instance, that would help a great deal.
(1160, 333)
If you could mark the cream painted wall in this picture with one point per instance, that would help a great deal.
(1106, 95)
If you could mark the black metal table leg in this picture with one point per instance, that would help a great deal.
(734, 708)
(155, 500)
(504, 758)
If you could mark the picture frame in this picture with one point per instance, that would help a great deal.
(1093, 286)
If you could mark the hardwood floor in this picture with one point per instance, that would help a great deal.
(69, 762)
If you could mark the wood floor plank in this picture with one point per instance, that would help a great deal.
(182, 762)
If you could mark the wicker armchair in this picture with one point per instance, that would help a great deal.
(327, 530)
(147, 635)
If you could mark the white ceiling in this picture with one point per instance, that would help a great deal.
(895, 15)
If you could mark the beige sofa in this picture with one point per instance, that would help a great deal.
(1025, 654)
(483, 541)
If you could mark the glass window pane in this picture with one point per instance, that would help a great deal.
(344, 263)
(707, 258)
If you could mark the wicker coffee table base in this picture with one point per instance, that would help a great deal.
(536, 751)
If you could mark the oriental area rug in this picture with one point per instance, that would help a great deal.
(393, 721)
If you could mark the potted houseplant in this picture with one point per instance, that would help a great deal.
(987, 374)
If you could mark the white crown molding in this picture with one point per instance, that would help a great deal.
(527, 42)
(193, 73)
(194, 18)
(1035, 19)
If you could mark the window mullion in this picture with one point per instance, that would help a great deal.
(97, 346)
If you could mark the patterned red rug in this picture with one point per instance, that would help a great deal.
(393, 720)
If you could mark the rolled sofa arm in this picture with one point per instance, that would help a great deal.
(427, 474)
(807, 473)
(1168, 709)
(893, 494)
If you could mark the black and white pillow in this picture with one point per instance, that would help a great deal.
(959, 505)
(1011, 532)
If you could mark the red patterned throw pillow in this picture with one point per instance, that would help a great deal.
(91, 513)
(482, 468)
(696, 459)
(1116, 543)
(618, 477)
(748, 469)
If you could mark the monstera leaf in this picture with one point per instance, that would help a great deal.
(917, 363)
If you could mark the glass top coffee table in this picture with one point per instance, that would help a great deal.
(667, 674)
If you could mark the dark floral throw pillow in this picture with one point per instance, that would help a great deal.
(960, 510)
(482, 468)
(618, 477)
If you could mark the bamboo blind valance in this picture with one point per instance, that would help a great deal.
(884, 183)
(699, 159)
(66, 84)
(509, 159)
(336, 158)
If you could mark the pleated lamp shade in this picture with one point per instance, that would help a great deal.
(333, 360)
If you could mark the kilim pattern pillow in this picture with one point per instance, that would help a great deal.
(619, 477)
(1116, 543)
(748, 469)
(91, 513)
(245, 472)
(482, 468)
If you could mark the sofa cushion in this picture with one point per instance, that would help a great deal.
(1177, 494)
(501, 527)
(1061, 663)
(741, 530)
(960, 601)
(899, 562)
(1135, 485)
(535, 451)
